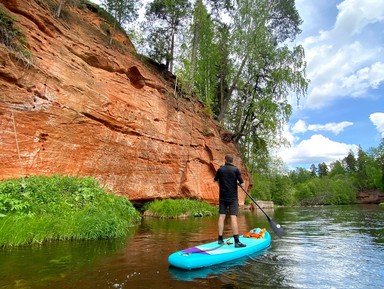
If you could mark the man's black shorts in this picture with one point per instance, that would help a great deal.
(232, 205)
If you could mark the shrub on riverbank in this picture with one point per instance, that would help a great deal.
(40, 209)
(180, 208)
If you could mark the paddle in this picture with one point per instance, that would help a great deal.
(275, 227)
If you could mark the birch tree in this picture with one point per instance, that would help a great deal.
(264, 72)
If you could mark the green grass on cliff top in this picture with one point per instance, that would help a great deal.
(41, 209)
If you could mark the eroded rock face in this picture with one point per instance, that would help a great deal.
(83, 108)
(370, 197)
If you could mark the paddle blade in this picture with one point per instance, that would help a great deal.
(277, 228)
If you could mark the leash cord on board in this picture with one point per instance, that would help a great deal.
(18, 152)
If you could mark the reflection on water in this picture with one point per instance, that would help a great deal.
(325, 247)
(39, 266)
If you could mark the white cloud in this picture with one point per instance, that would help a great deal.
(354, 15)
(316, 150)
(345, 73)
(345, 59)
(377, 74)
(341, 62)
(300, 127)
(378, 120)
(336, 128)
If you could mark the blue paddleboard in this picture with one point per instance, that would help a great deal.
(212, 253)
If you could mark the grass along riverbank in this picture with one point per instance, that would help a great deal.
(40, 209)
(180, 208)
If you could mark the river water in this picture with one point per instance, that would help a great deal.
(325, 247)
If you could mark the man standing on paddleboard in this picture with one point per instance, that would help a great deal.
(228, 176)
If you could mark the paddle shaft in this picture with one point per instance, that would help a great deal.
(275, 227)
(249, 195)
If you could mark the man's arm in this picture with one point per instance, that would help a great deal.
(239, 177)
(216, 178)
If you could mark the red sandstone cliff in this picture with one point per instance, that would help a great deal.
(370, 197)
(81, 107)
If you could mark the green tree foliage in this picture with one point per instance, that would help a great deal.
(261, 189)
(263, 73)
(337, 169)
(123, 11)
(375, 167)
(342, 192)
(224, 70)
(164, 20)
(256, 74)
(11, 36)
(350, 162)
(300, 175)
(333, 184)
(361, 169)
(322, 169)
(197, 18)
(206, 71)
(304, 194)
(285, 20)
(282, 190)
(271, 184)
(313, 170)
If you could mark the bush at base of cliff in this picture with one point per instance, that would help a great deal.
(179, 208)
(40, 209)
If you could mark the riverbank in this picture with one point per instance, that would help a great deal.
(182, 208)
(41, 209)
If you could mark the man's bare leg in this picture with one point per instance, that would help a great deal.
(220, 224)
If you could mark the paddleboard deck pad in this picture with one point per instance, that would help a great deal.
(212, 253)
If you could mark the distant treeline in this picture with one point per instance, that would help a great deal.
(333, 184)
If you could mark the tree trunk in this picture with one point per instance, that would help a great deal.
(170, 56)
(227, 96)
(112, 33)
(58, 11)
(195, 43)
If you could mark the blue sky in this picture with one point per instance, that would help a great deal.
(344, 107)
